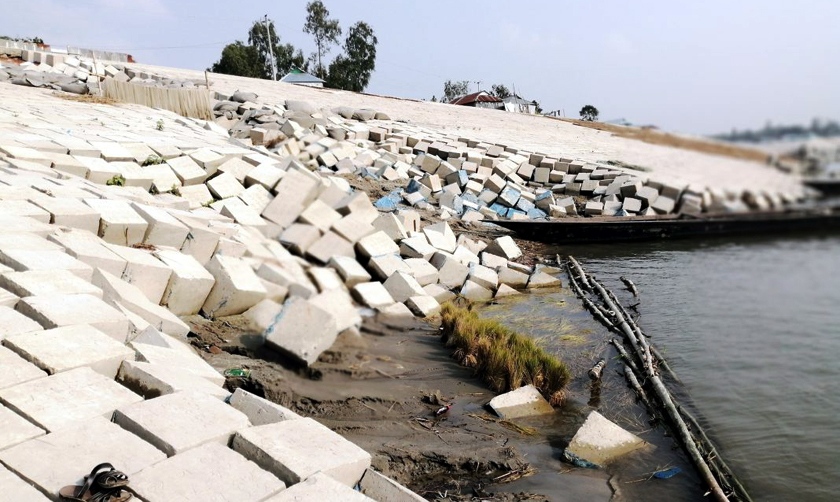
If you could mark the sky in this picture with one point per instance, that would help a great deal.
(692, 67)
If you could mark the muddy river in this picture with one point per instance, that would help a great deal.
(752, 327)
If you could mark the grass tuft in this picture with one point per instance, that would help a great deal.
(504, 359)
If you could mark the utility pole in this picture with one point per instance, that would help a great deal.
(478, 83)
(270, 49)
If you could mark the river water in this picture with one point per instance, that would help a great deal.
(752, 327)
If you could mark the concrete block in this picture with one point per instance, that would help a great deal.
(320, 487)
(483, 276)
(417, 247)
(143, 270)
(353, 227)
(70, 347)
(16, 370)
(504, 247)
(237, 287)
(69, 212)
(266, 175)
(15, 430)
(387, 265)
(401, 286)
(423, 305)
(664, 205)
(236, 167)
(55, 311)
(350, 270)
(647, 195)
(16, 488)
(319, 215)
(594, 208)
(295, 191)
(523, 402)
(543, 280)
(439, 293)
(119, 223)
(290, 275)
(423, 271)
(225, 185)
(22, 261)
(505, 290)
(163, 228)
(329, 245)
(181, 357)
(632, 205)
(475, 292)
(260, 411)
(175, 423)
(340, 305)
(452, 273)
(599, 440)
(187, 170)
(116, 290)
(153, 380)
(14, 323)
(384, 489)
(189, 284)
(67, 398)
(73, 451)
(372, 294)
(441, 237)
(196, 195)
(299, 236)
(285, 449)
(513, 278)
(377, 244)
(302, 330)
(90, 249)
(263, 314)
(208, 472)
(391, 225)
(257, 198)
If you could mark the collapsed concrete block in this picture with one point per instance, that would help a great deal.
(320, 487)
(153, 380)
(387, 265)
(631, 205)
(119, 223)
(372, 294)
(237, 287)
(391, 225)
(299, 236)
(353, 227)
(88, 248)
(441, 237)
(475, 292)
(543, 280)
(163, 229)
(290, 275)
(505, 290)
(182, 358)
(302, 330)
(187, 170)
(294, 193)
(46, 282)
(285, 449)
(350, 270)
(377, 244)
(55, 311)
(319, 215)
(664, 205)
(384, 489)
(69, 212)
(23, 261)
(647, 195)
(401, 286)
(513, 278)
(423, 305)
(339, 303)
(189, 285)
(64, 399)
(522, 402)
(143, 270)
(16, 370)
(599, 440)
(483, 276)
(417, 247)
(263, 314)
(452, 273)
(208, 472)
(260, 411)
(175, 423)
(423, 271)
(196, 195)
(225, 185)
(439, 293)
(70, 347)
(505, 247)
(329, 245)
(73, 451)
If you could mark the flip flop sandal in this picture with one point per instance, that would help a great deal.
(103, 484)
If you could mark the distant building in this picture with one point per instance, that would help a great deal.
(302, 78)
(480, 99)
(518, 105)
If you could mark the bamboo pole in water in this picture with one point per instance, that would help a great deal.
(665, 398)
(630, 375)
(583, 280)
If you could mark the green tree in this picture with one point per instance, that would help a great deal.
(286, 56)
(352, 70)
(239, 59)
(453, 90)
(324, 30)
(589, 113)
(500, 91)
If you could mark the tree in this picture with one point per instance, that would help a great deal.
(453, 90)
(538, 109)
(285, 55)
(589, 113)
(324, 30)
(500, 91)
(239, 59)
(352, 70)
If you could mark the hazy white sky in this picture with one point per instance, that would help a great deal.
(697, 67)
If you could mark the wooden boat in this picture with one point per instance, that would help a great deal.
(674, 226)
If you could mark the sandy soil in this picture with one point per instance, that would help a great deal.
(534, 133)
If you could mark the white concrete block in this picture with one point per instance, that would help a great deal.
(599, 440)
(70, 347)
(522, 402)
(237, 287)
(119, 223)
(189, 285)
(322, 488)
(72, 452)
(69, 212)
(143, 270)
(196, 195)
(260, 411)
(285, 449)
(391, 225)
(175, 423)
(384, 266)
(384, 489)
(294, 193)
(88, 248)
(15, 430)
(16, 370)
(55, 311)
(209, 472)
(423, 305)
(46, 282)
(372, 294)
(504, 247)
(350, 270)
(163, 229)
(402, 286)
(441, 236)
(22, 261)
(153, 380)
(16, 488)
(67, 398)
(475, 292)
(303, 331)
(439, 293)
(187, 170)
(424, 272)
(452, 273)
(377, 244)
(225, 185)
(14, 323)
(483, 276)
(353, 227)
(417, 247)
(340, 305)
(319, 215)
(187, 361)
(543, 280)
(329, 245)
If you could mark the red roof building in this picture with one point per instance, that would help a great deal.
(480, 99)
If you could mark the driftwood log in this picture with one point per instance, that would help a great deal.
(597, 370)
(630, 286)
(583, 280)
(630, 375)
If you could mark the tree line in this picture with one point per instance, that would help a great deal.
(350, 70)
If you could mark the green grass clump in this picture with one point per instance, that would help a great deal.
(504, 359)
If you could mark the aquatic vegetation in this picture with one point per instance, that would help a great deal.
(504, 359)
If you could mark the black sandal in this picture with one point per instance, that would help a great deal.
(103, 484)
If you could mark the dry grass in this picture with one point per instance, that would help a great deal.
(86, 98)
(505, 360)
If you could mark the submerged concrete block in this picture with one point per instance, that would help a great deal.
(64, 399)
(175, 423)
(285, 449)
(522, 402)
(599, 440)
(69, 347)
(303, 330)
(73, 451)
(209, 472)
